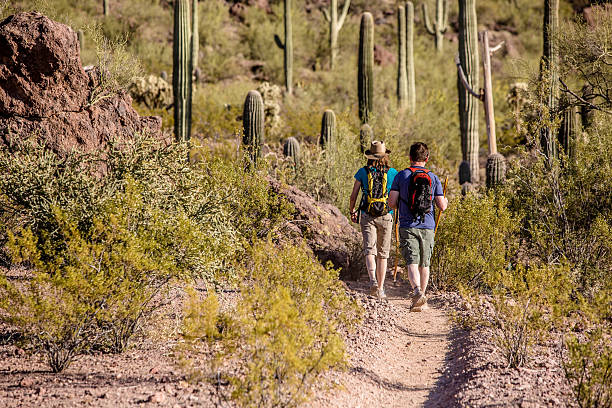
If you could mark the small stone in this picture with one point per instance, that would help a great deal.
(26, 382)
(183, 384)
(158, 397)
(154, 370)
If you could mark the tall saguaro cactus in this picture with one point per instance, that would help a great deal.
(549, 72)
(253, 126)
(335, 25)
(365, 68)
(195, 36)
(106, 7)
(328, 130)
(440, 24)
(287, 47)
(402, 74)
(181, 71)
(410, 57)
(468, 103)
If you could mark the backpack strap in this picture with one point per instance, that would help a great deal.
(385, 196)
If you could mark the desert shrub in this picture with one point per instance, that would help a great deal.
(98, 287)
(476, 235)
(523, 306)
(282, 334)
(588, 367)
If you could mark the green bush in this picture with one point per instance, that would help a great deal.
(476, 236)
(282, 334)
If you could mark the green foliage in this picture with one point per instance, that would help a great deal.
(282, 334)
(477, 235)
(588, 368)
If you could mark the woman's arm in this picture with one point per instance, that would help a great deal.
(353, 199)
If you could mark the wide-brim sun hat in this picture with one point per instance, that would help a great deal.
(377, 150)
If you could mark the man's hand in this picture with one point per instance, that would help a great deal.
(354, 216)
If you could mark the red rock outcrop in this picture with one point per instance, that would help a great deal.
(44, 90)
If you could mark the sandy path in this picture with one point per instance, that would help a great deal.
(401, 367)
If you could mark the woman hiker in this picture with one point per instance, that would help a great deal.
(376, 218)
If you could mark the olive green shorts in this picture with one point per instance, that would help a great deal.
(417, 245)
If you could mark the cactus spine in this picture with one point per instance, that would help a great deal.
(195, 37)
(335, 25)
(402, 79)
(366, 135)
(287, 47)
(253, 126)
(410, 57)
(365, 74)
(106, 7)
(440, 24)
(468, 104)
(181, 71)
(291, 149)
(549, 72)
(495, 170)
(328, 130)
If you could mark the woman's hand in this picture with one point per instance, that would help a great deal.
(354, 216)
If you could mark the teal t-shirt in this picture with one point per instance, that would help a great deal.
(362, 176)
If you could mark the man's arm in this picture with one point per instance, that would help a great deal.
(441, 202)
(393, 199)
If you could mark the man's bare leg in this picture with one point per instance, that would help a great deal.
(413, 276)
(424, 272)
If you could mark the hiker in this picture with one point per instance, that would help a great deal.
(374, 215)
(415, 190)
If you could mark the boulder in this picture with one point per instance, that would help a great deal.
(326, 231)
(45, 92)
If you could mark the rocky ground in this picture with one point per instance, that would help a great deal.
(397, 359)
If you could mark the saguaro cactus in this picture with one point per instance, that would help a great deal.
(335, 25)
(253, 126)
(291, 149)
(287, 47)
(402, 74)
(549, 72)
(468, 103)
(195, 37)
(410, 56)
(181, 71)
(440, 23)
(570, 128)
(495, 170)
(106, 7)
(365, 73)
(80, 38)
(328, 130)
(366, 135)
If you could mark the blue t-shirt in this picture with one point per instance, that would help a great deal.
(407, 220)
(362, 176)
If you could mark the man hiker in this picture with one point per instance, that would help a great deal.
(414, 191)
(376, 219)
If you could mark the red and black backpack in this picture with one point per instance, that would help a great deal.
(420, 193)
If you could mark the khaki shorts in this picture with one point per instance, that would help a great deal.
(376, 233)
(417, 245)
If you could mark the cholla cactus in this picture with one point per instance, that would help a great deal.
(253, 126)
(272, 95)
(496, 170)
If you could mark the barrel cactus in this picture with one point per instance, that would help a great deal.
(181, 71)
(291, 149)
(496, 170)
(468, 104)
(366, 135)
(365, 67)
(287, 47)
(328, 130)
(253, 126)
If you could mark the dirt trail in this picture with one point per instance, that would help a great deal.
(402, 364)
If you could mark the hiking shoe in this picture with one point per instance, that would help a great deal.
(381, 293)
(373, 289)
(418, 298)
(421, 308)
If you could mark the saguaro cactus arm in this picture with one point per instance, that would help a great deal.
(464, 81)
(335, 25)
(440, 24)
(428, 26)
(279, 42)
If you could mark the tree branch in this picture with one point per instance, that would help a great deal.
(566, 89)
(496, 48)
